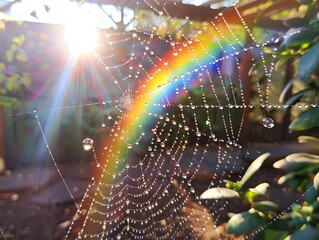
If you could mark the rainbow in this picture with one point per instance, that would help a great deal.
(182, 64)
(175, 70)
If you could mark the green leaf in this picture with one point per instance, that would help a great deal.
(308, 63)
(306, 232)
(216, 193)
(9, 55)
(286, 177)
(19, 40)
(22, 55)
(296, 22)
(287, 87)
(245, 222)
(270, 234)
(261, 189)
(265, 206)
(7, 101)
(256, 164)
(311, 195)
(297, 161)
(296, 97)
(306, 120)
(282, 60)
(302, 36)
(232, 185)
(316, 182)
(13, 86)
(309, 140)
(25, 80)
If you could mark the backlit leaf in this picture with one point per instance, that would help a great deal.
(245, 222)
(216, 193)
(306, 120)
(6, 101)
(22, 55)
(256, 164)
(9, 55)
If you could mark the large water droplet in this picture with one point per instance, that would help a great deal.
(268, 122)
(87, 144)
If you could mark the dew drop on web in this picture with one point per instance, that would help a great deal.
(87, 144)
(268, 122)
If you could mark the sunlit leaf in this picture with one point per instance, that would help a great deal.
(9, 55)
(2, 66)
(12, 86)
(232, 185)
(7, 101)
(22, 55)
(25, 80)
(309, 140)
(262, 188)
(265, 206)
(286, 177)
(252, 193)
(245, 222)
(216, 193)
(2, 25)
(316, 182)
(19, 40)
(295, 162)
(305, 120)
(256, 164)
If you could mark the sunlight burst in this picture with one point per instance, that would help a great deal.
(81, 37)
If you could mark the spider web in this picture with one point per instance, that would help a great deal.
(170, 114)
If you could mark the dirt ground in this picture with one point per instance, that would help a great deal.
(22, 219)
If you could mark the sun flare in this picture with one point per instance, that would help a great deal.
(81, 37)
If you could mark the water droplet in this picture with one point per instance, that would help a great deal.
(103, 125)
(186, 128)
(87, 144)
(268, 122)
(129, 146)
(198, 134)
(162, 144)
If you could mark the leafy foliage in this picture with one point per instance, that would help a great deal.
(301, 222)
(12, 79)
(301, 45)
(260, 212)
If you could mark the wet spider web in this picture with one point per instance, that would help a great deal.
(171, 113)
